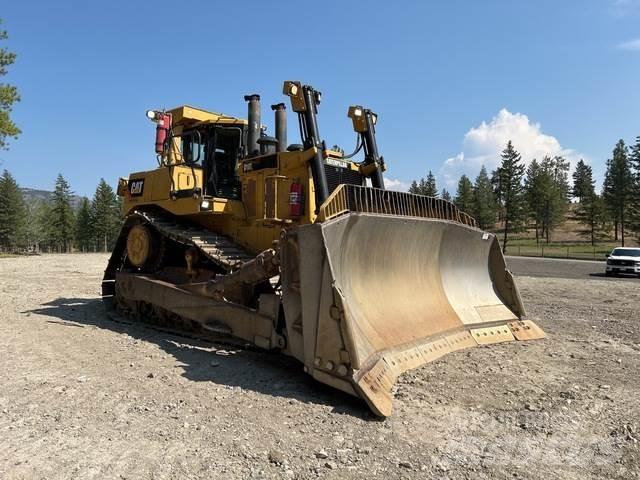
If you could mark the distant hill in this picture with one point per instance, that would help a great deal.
(32, 196)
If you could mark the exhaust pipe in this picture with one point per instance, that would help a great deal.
(281, 126)
(253, 117)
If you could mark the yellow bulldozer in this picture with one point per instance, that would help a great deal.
(300, 249)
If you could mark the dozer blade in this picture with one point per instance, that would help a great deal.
(382, 294)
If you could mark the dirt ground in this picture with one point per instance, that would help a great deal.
(82, 396)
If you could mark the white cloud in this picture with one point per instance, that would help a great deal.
(395, 184)
(482, 146)
(632, 45)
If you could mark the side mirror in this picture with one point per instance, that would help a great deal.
(606, 255)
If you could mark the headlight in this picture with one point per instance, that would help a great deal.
(609, 262)
(151, 115)
(205, 205)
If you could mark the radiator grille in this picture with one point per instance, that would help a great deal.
(622, 263)
(338, 176)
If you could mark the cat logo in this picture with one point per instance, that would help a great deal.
(136, 187)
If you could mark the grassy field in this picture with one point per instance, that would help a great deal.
(566, 242)
(529, 248)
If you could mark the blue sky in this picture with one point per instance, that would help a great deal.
(451, 80)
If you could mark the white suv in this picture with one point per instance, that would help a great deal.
(623, 260)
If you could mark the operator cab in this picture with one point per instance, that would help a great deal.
(209, 141)
(216, 149)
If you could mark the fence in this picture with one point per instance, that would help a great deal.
(558, 251)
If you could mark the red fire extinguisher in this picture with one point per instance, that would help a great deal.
(296, 198)
(163, 124)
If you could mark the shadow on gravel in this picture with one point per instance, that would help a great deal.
(621, 276)
(203, 361)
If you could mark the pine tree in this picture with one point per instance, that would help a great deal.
(509, 176)
(8, 96)
(590, 211)
(12, 213)
(422, 186)
(464, 194)
(62, 221)
(105, 216)
(42, 220)
(497, 194)
(425, 187)
(430, 188)
(582, 180)
(635, 189)
(534, 186)
(37, 228)
(84, 228)
(591, 214)
(547, 194)
(556, 201)
(484, 202)
(618, 188)
(607, 186)
(445, 195)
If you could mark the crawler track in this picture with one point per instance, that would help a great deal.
(221, 250)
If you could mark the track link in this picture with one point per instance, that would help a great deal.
(220, 249)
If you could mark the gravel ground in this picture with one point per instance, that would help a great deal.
(84, 397)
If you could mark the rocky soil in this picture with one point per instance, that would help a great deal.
(84, 397)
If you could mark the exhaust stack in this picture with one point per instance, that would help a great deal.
(281, 126)
(253, 117)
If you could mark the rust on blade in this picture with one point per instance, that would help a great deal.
(378, 303)
(526, 330)
(376, 384)
(376, 388)
(492, 313)
(488, 335)
(458, 341)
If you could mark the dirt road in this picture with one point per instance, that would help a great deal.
(84, 397)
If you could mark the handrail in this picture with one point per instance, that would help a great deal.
(355, 198)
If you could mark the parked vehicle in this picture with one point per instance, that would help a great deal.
(623, 260)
